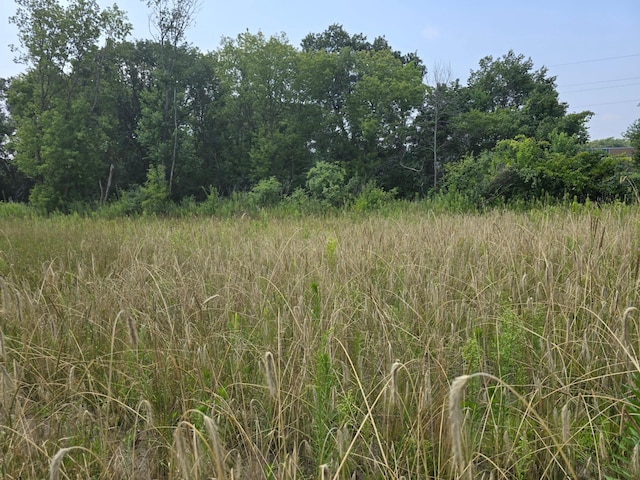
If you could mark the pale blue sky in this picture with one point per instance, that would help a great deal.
(593, 47)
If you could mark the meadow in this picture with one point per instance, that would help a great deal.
(344, 346)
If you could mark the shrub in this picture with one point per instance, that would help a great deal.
(211, 203)
(129, 203)
(267, 192)
(470, 177)
(155, 191)
(298, 202)
(524, 169)
(326, 182)
(15, 210)
(372, 197)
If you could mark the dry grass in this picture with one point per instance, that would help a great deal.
(319, 348)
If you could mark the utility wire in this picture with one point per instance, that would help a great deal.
(607, 103)
(598, 82)
(602, 88)
(595, 60)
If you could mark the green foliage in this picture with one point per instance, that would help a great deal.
(93, 112)
(267, 192)
(333, 40)
(632, 135)
(61, 106)
(469, 177)
(372, 197)
(128, 203)
(14, 185)
(586, 175)
(154, 194)
(211, 203)
(15, 210)
(609, 142)
(628, 442)
(264, 121)
(508, 98)
(299, 201)
(511, 345)
(330, 247)
(380, 107)
(527, 169)
(503, 83)
(502, 348)
(323, 415)
(326, 182)
(472, 355)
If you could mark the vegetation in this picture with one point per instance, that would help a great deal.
(94, 114)
(276, 262)
(633, 137)
(609, 142)
(272, 347)
(526, 169)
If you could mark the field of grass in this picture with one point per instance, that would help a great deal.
(300, 348)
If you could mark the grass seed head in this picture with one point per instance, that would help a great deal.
(5, 296)
(133, 331)
(216, 446)
(343, 438)
(7, 387)
(3, 352)
(71, 378)
(456, 418)
(565, 419)
(393, 383)
(180, 447)
(324, 472)
(603, 448)
(270, 368)
(506, 442)
(145, 406)
(56, 462)
(426, 395)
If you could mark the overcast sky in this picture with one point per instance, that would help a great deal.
(592, 47)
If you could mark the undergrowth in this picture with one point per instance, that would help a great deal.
(322, 347)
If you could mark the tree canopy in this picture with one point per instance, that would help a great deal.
(96, 116)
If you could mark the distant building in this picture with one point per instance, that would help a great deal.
(615, 151)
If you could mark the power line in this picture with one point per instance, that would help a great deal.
(607, 103)
(598, 82)
(595, 60)
(602, 88)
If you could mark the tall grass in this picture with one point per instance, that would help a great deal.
(322, 347)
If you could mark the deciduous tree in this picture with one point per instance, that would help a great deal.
(632, 134)
(171, 19)
(59, 105)
(505, 97)
(264, 108)
(433, 141)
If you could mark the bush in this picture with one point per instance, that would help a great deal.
(129, 202)
(212, 203)
(15, 210)
(326, 182)
(299, 202)
(266, 193)
(45, 198)
(524, 169)
(155, 191)
(372, 197)
(470, 178)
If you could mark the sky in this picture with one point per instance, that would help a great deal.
(592, 47)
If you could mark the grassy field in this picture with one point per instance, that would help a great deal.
(322, 347)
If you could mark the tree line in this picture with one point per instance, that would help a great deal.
(96, 117)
